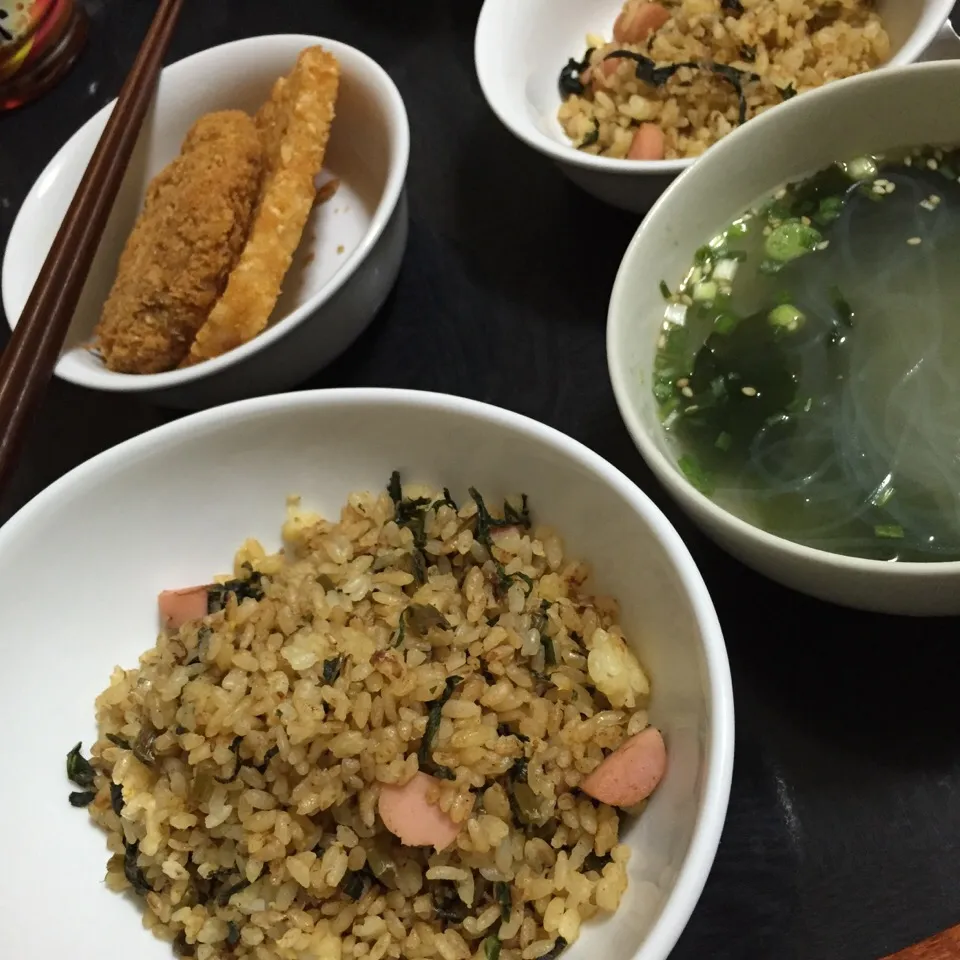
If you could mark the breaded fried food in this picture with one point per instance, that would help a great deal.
(294, 127)
(185, 242)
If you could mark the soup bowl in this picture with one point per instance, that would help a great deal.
(170, 508)
(880, 111)
(346, 263)
(521, 47)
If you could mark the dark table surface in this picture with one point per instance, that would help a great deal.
(843, 836)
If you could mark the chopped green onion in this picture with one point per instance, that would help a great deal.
(888, 531)
(787, 317)
(695, 474)
(704, 291)
(726, 269)
(725, 323)
(791, 239)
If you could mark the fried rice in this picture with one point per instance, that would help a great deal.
(706, 67)
(238, 767)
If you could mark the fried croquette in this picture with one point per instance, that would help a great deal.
(188, 238)
(294, 127)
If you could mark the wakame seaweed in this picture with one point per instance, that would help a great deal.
(596, 862)
(180, 946)
(132, 871)
(446, 501)
(233, 933)
(237, 763)
(116, 798)
(243, 588)
(491, 947)
(649, 73)
(355, 883)
(411, 514)
(540, 625)
(422, 617)
(79, 770)
(647, 70)
(267, 757)
(82, 799)
(486, 524)
(732, 6)
(788, 92)
(502, 893)
(434, 708)
(559, 945)
(569, 82)
(447, 903)
(227, 890)
(331, 669)
(591, 138)
(736, 78)
(118, 741)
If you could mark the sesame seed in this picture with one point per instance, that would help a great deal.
(780, 194)
(927, 205)
(693, 408)
(934, 199)
(749, 391)
(822, 245)
(908, 161)
(914, 241)
(687, 392)
(932, 164)
(683, 382)
(661, 343)
(805, 221)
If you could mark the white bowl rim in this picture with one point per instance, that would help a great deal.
(111, 381)
(661, 464)
(921, 38)
(711, 814)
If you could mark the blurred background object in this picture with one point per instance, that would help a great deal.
(39, 42)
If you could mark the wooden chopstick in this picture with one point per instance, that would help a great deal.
(27, 363)
(943, 946)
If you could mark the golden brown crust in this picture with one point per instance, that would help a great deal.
(295, 127)
(185, 242)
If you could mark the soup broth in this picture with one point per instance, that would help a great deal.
(808, 367)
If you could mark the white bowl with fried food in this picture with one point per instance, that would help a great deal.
(244, 273)
(521, 48)
(324, 446)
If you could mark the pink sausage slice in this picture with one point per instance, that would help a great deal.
(407, 814)
(631, 773)
(638, 21)
(647, 144)
(178, 607)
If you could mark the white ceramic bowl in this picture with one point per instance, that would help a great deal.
(521, 46)
(876, 112)
(346, 264)
(80, 567)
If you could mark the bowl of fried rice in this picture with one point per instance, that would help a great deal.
(357, 674)
(625, 94)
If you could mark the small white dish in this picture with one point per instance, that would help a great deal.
(876, 112)
(170, 508)
(344, 268)
(520, 49)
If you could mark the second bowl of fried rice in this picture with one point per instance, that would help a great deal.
(358, 674)
(625, 94)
